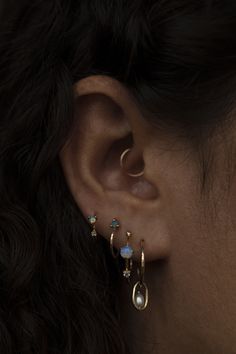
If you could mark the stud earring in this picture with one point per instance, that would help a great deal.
(122, 156)
(140, 290)
(92, 220)
(126, 252)
(115, 226)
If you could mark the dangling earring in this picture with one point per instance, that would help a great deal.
(122, 164)
(126, 252)
(92, 220)
(115, 226)
(140, 290)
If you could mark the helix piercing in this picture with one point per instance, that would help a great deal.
(114, 225)
(92, 220)
(122, 164)
(126, 252)
(140, 290)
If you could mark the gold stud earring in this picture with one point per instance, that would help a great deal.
(122, 156)
(92, 220)
(140, 290)
(126, 252)
(115, 226)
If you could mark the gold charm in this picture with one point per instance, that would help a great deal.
(140, 290)
(92, 220)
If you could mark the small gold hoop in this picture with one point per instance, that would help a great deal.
(114, 225)
(122, 164)
(142, 263)
(114, 253)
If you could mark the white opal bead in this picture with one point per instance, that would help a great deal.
(126, 252)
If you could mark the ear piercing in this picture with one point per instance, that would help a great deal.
(122, 156)
(126, 252)
(114, 225)
(140, 290)
(92, 220)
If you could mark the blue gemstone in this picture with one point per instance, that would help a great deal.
(115, 224)
(126, 251)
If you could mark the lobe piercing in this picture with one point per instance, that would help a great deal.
(126, 252)
(92, 220)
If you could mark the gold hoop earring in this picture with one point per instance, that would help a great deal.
(140, 290)
(126, 252)
(115, 226)
(92, 220)
(122, 164)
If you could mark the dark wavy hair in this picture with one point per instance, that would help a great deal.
(178, 58)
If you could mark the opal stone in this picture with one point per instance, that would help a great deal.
(92, 219)
(126, 251)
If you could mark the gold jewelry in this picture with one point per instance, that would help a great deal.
(92, 220)
(126, 252)
(114, 225)
(140, 290)
(122, 164)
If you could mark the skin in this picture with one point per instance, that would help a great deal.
(189, 236)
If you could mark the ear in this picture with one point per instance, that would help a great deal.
(108, 121)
